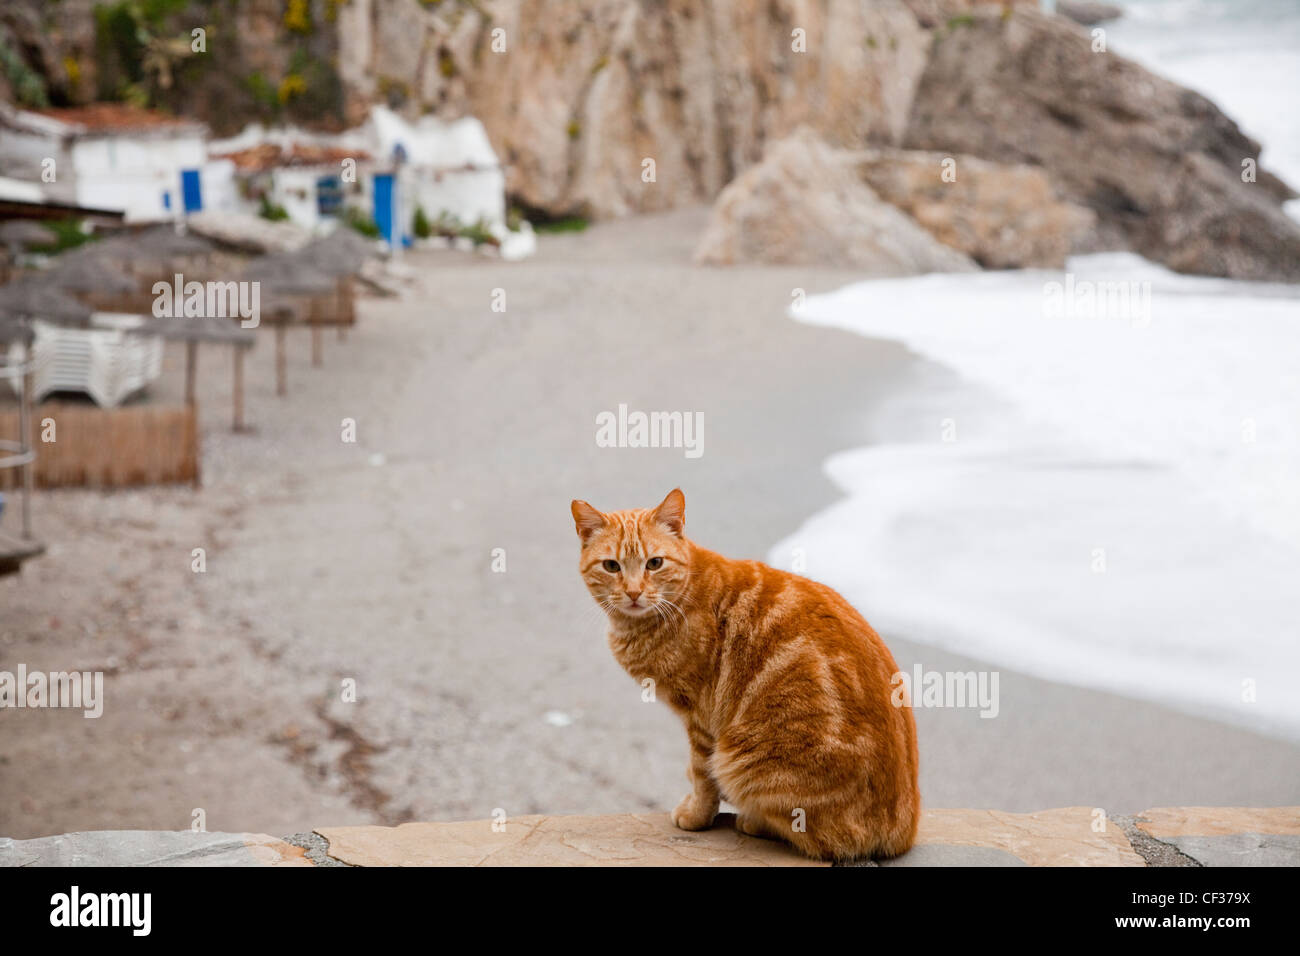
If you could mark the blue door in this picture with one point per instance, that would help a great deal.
(191, 190)
(329, 196)
(384, 199)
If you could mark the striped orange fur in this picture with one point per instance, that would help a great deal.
(784, 689)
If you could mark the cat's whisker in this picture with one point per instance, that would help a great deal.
(675, 607)
(598, 611)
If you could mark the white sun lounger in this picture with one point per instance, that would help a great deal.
(103, 362)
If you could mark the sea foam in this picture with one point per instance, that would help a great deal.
(1112, 499)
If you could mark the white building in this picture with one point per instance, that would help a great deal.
(447, 169)
(312, 183)
(111, 156)
(443, 168)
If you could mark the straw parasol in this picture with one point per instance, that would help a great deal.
(117, 249)
(12, 330)
(143, 253)
(342, 252)
(33, 298)
(17, 233)
(166, 241)
(89, 274)
(286, 274)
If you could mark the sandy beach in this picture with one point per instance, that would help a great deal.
(373, 561)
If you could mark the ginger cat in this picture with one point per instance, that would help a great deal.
(784, 689)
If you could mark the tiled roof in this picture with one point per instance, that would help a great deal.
(271, 155)
(114, 118)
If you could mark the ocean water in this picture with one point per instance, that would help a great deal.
(1109, 495)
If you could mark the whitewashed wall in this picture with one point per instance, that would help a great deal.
(133, 173)
(434, 176)
(21, 156)
(295, 190)
(467, 195)
(220, 192)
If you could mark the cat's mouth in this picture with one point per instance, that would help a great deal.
(634, 608)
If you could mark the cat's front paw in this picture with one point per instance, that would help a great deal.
(693, 815)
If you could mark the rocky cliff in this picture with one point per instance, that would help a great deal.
(610, 107)
(1160, 165)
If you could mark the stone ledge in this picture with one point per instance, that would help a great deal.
(1227, 836)
(643, 839)
(151, 848)
(1069, 836)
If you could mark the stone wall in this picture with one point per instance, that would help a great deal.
(1070, 836)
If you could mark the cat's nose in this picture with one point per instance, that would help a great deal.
(633, 595)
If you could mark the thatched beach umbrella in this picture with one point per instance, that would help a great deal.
(89, 274)
(32, 298)
(17, 233)
(155, 253)
(116, 250)
(288, 285)
(286, 274)
(167, 242)
(342, 252)
(103, 282)
(13, 330)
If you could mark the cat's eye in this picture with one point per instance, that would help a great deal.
(654, 564)
(610, 566)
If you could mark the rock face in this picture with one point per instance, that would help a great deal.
(255, 67)
(611, 107)
(38, 41)
(804, 204)
(1003, 217)
(1160, 165)
(584, 93)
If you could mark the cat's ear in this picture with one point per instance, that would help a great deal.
(671, 512)
(587, 519)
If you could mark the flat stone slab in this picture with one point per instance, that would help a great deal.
(1164, 822)
(642, 839)
(1061, 837)
(1228, 836)
(947, 838)
(952, 854)
(1069, 836)
(1240, 849)
(151, 848)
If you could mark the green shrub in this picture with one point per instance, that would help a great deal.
(272, 211)
(567, 224)
(69, 232)
(479, 234)
(420, 227)
(354, 218)
(28, 87)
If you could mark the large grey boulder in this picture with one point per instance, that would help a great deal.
(1160, 165)
(1002, 216)
(805, 204)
